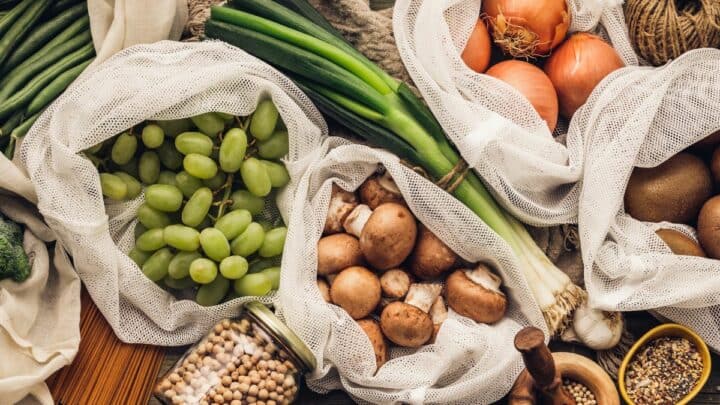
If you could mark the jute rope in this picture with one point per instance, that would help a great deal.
(663, 29)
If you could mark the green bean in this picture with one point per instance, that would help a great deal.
(55, 88)
(13, 15)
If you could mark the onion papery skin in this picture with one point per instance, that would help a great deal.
(577, 66)
(527, 28)
(478, 49)
(532, 83)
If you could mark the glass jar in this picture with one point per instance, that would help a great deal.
(254, 359)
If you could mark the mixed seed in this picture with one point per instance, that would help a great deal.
(235, 364)
(579, 392)
(664, 371)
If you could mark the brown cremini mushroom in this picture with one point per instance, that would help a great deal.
(408, 323)
(337, 252)
(324, 289)
(380, 189)
(476, 294)
(388, 236)
(395, 283)
(341, 204)
(356, 290)
(374, 333)
(431, 257)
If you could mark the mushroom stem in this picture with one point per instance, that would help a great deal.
(341, 204)
(423, 295)
(438, 311)
(387, 182)
(356, 220)
(395, 283)
(481, 275)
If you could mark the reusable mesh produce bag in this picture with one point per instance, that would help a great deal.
(637, 116)
(469, 362)
(166, 80)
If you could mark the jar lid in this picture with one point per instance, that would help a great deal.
(282, 333)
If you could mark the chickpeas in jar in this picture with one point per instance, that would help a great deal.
(254, 359)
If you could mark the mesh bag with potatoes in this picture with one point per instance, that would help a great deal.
(163, 81)
(469, 361)
(637, 116)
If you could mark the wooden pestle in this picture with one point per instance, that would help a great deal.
(539, 363)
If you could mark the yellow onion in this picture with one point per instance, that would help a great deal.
(527, 28)
(532, 83)
(577, 66)
(477, 51)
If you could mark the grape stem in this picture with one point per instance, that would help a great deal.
(226, 196)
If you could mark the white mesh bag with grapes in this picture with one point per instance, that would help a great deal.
(611, 119)
(159, 170)
(402, 293)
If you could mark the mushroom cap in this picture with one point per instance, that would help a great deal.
(406, 325)
(378, 190)
(431, 257)
(356, 290)
(337, 252)
(388, 236)
(374, 333)
(341, 204)
(395, 283)
(324, 289)
(473, 300)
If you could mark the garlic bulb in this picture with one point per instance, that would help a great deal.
(596, 329)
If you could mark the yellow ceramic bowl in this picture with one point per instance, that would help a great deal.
(674, 330)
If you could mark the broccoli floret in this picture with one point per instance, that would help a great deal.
(14, 262)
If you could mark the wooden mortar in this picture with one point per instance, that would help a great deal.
(541, 381)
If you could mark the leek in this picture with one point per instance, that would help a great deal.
(358, 94)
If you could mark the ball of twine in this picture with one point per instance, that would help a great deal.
(663, 29)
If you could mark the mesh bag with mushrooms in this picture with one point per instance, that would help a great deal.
(382, 282)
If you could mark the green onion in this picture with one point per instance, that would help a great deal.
(358, 94)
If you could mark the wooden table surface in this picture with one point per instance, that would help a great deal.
(638, 323)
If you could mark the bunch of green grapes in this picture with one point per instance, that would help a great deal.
(206, 183)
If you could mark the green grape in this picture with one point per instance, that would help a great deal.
(194, 142)
(187, 183)
(95, 148)
(216, 181)
(257, 284)
(273, 273)
(152, 218)
(169, 156)
(139, 230)
(209, 123)
(261, 264)
(139, 256)
(163, 197)
(263, 120)
(197, 207)
(151, 240)
(203, 271)
(233, 267)
(131, 168)
(243, 199)
(232, 150)
(273, 243)
(279, 176)
(178, 284)
(124, 148)
(255, 177)
(233, 223)
(149, 167)
(224, 116)
(167, 177)
(174, 127)
(275, 147)
(266, 225)
(214, 244)
(249, 241)
(113, 186)
(156, 267)
(212, 293)
(182, 237)
(134, 188)
(180, 264)
(152, 136)
(200, 166)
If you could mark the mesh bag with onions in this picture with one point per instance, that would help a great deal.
(637, 116)
(166, 80)
(468, 363)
